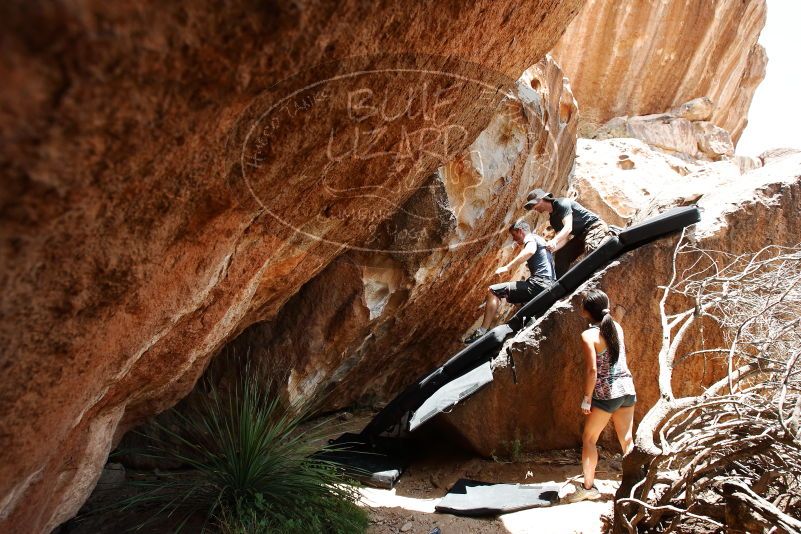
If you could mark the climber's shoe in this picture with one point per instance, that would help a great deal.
(582, 494)
(477, 333)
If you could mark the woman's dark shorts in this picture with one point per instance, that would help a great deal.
(518, 292)
(613, 405)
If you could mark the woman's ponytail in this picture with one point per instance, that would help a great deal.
(609, 331)
(597, 305)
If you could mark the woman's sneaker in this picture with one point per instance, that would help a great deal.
(582, 494)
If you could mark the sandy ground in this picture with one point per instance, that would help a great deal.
(410, 505)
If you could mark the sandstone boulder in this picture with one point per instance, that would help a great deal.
(629, 57)
(173, 173)
(673, 133)
(540, 410)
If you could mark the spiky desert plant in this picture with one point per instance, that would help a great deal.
(249, 467)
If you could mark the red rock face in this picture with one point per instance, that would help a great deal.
(638, 58)
(133, 245)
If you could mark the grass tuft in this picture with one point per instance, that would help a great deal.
(249, 468)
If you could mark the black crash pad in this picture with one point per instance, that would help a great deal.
(379, 463)
(594, 261)
(537, 306)
(670, 221)
(474, 498)
(451, 393)
(482, 350)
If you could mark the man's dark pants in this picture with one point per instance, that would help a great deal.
(521, 291)
(579, 246)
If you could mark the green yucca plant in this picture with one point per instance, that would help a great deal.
(250, 468)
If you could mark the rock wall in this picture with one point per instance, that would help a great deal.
(174, 173)
(541, 410)
(373, 320)
(640, 57)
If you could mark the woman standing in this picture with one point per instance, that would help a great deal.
(608, 388)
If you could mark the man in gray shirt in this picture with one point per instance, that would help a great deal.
(578, 230)
(541, 274)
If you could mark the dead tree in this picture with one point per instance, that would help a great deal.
(728, 459)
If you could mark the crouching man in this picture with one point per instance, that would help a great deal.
(578, 230)
(541, 274)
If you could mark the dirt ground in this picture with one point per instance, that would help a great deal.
(410, 505)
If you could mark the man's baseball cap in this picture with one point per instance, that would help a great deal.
(535, 196)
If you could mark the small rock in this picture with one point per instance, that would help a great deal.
(406, 526)
(698, 109)
(713, 141)
(747, 163)
(345, 416)
(614, 128)
(625, 164)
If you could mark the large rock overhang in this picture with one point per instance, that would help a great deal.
(132, 246)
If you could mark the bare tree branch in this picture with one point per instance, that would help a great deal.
(718, 453)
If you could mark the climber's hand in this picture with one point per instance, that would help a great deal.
(502, 270)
